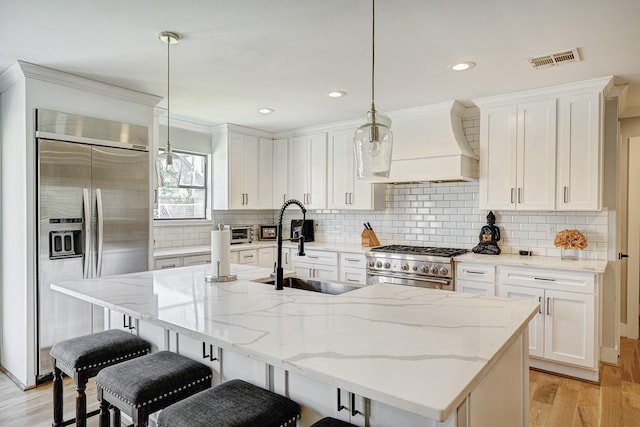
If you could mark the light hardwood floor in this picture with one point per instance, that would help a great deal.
(555, 401)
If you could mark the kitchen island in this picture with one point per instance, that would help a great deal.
(393, 355)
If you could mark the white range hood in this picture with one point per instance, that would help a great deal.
(429, 145)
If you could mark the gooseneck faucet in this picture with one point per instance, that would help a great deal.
(279, 271)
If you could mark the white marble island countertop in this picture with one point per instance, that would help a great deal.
(417, 349)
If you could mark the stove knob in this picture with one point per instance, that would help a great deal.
(387, 265)
(379, 264)
(425, 269)
(415, 268)
(434, 269)
(405, 267)
(372, 263)
(444, 271)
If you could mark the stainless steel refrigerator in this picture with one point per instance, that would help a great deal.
(93, 207)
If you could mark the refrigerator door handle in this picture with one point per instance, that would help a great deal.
(100, 221)
(86, 219)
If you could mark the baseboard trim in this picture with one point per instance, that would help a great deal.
(609, 355)
(623, 330)
(14, 379)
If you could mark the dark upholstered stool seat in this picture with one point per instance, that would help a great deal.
(147, 384)
(234, 403)
(332, 422)
(82, 358)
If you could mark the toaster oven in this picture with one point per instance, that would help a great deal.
(241, 234)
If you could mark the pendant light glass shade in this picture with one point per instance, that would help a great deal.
(373, 144)
(168, 164)
(373, 141)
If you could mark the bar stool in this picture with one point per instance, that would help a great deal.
(82, 358)
(331, 422)
(147, 384)
(234, 403)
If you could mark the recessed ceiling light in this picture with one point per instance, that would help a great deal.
(463, 66)
(266, 110)
(337, 94)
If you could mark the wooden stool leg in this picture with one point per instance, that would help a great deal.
(140, 417)
(81, 400)
(57, 396)
(104, 410)
(116, 417)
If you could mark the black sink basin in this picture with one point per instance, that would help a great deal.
(313, 285)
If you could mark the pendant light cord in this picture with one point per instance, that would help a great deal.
(168, 97)
(373, 52)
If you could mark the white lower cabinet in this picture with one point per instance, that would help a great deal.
(196, 260)
(353, 268)
(316, 264)
(248, 257)
(163, 263)
(475, 278)
(202, 352)
(565, 328)
(266, 257)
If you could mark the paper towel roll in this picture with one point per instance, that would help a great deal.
(220, 248)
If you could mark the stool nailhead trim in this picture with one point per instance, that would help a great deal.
(288, 423)
(155, 399)
(107, 362)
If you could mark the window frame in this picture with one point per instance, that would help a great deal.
(206, 188)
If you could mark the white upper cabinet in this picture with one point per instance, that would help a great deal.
(242, 170)
(579, 152)
(518, 156)
(542, 149)
(280, 172)
(346, 191)
(308, 170)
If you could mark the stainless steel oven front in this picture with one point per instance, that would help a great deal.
(445, 284)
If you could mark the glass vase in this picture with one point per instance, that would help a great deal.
(569, 254)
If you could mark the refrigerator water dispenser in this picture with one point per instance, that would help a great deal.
(64, 244)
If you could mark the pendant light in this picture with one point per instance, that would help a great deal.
(168, 164)
(373, 141)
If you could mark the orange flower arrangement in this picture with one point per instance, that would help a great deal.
(570, 239)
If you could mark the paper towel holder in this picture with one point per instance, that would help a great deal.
(219, 278)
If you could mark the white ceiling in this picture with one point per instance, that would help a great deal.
(239, 55)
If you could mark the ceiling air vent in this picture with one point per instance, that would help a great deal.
(554, 59)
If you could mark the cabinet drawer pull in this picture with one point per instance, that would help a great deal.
(512, 190)
(548, 308)
(352, 259)
(168, 266)
(545, 279)
(204, 352)
(475, 272)
(124, 322)
(346, 198)
(340, 405)
(519, 194)
(566, 194)
(247, 256)
(539, 305)
(353, 280)
(312, 256)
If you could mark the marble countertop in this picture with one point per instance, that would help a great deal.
(201, 250)
(556, 263)
(421, 350)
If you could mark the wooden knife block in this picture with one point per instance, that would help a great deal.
(369, 238)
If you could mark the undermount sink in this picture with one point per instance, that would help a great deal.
(312, 285)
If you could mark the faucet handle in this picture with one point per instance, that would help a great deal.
(301, 245)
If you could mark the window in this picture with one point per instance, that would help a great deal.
(187, 200)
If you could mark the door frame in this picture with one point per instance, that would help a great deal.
(633, 240)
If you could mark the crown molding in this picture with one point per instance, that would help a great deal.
(49, 75)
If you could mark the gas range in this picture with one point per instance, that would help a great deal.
(412, 265)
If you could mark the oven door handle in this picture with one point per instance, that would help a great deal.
(417, 279)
